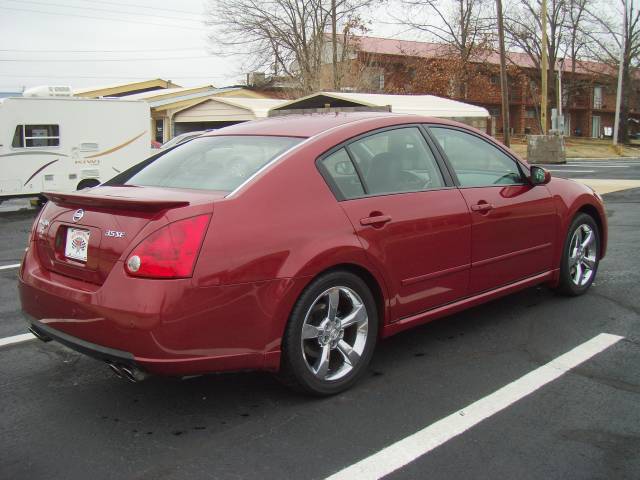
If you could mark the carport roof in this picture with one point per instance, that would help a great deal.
(427, 105)
(259, 106)
(120, 89)
(171, 93)
(228, 109)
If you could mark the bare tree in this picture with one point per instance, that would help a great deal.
(463, 27)
(609, 34)
(566, 22)
(288, 36)
(576, 42)
(524, 31)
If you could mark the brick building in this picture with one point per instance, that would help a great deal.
(381, 65)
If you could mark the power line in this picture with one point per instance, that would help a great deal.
(124, 77)
(184, 27)
(129, 5)
(95, 9)
(143, 50)
(91, 60)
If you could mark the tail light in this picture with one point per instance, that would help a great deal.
(33, 235)
(170, 252)
(38, 225)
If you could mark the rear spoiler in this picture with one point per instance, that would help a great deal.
(108, 201)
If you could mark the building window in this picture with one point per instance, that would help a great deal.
(494, 111)
(36, 136)
(597, 97)
(381, 81)
(530, 113)
(494, 80)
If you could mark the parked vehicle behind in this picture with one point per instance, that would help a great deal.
(293, 244)
(55, 141)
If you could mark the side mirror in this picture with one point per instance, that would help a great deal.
(539, 176)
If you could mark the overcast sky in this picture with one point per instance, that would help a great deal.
(83, 42)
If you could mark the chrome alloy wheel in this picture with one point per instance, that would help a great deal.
(334, 333)
(582, 255)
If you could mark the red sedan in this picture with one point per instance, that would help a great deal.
(292, 244)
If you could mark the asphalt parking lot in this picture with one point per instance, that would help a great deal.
(67, 416)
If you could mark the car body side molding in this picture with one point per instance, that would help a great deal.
(433, 314)
(440, 273)
(512, 254)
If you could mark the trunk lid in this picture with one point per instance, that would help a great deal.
(105, 223)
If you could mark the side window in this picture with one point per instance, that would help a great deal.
(476, 162)
(18, 137)
(396, 161)
(35, 136)
(340, 169)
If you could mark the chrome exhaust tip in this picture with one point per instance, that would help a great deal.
(116, 369)
(132, 374)
(38, 335)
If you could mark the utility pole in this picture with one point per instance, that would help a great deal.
(560, 65)
(334, 44)
(545, 68)
(623, 47)
(503, 79)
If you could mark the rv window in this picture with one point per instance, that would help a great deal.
(31, 136)
(18, 138)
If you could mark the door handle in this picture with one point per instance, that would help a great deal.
(375, 220)
(482, 207)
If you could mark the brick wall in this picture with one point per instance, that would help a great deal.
(411, 75)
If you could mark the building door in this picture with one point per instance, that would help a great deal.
(567, 124)
(159, 130)
(595, 126)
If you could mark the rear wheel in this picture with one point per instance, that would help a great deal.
(331, 335)
(580, 257)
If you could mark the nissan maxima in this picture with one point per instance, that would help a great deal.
(293, 244)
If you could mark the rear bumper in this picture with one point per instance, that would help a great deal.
(161, 327)
(106, 354)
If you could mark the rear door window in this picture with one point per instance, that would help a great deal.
(341, 173)
(396, 161)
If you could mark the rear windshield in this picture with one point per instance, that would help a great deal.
(209, 163)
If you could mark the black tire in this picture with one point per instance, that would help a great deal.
(567, 285)
(296, 369)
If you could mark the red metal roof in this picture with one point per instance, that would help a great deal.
(391, 46)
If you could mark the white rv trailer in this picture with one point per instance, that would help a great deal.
(54, 141)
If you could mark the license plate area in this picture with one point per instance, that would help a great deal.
(77, 244)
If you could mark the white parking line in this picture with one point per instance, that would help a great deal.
(629, 160)
(414, 446)
(571, 171)
(16, 339)
(592, 166)
(5, 267)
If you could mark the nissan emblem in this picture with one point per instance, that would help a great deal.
(78, 214)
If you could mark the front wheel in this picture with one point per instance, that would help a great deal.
(580, 257)
(331, 335)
